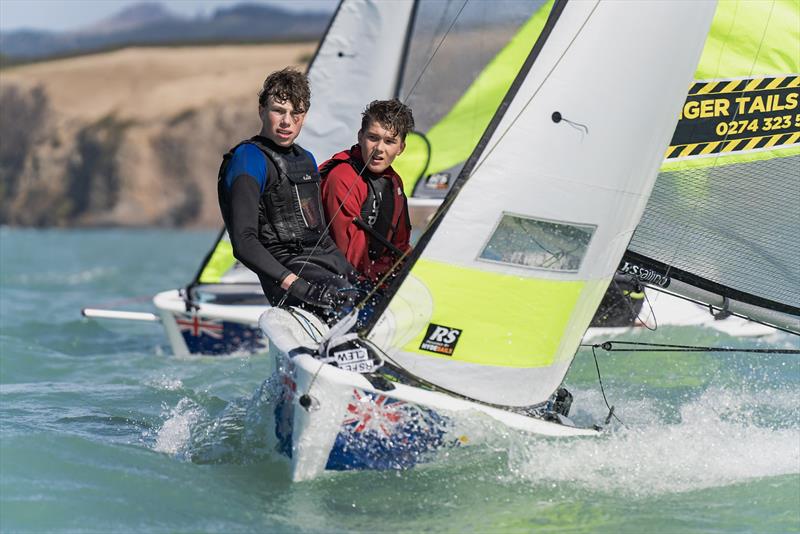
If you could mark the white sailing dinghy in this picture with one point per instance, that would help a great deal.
(490, 307)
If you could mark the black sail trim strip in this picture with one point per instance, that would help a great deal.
(710, 286)
(401, 71)
(324, 36)
(466, 170)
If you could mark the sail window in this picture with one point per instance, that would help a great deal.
(538, 244)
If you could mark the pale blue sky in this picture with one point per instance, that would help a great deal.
(75, 14)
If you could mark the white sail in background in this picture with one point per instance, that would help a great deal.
(500, 292)
(358, 61)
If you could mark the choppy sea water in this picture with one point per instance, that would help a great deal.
(102, 430)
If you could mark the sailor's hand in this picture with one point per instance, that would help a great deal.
(316, 294)
(287, 282)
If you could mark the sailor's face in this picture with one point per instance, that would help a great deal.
(282, 123)
(379, 147)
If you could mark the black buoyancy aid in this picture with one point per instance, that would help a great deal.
(290, 214)
(378, 209)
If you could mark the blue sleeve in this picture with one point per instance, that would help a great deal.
(247, 159)
(310, 155)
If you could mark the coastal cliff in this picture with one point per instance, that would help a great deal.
(132, 137)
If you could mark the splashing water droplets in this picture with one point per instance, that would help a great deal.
(175, 433)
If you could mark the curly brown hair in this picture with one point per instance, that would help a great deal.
(287, 84)
(391, 114)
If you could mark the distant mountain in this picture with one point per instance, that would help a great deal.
(133, 17)
(151, 23)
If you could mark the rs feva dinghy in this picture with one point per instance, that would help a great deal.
(330, 416)
(489, 309)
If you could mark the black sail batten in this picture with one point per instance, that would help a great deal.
(406, 47)
(706, 284)
(468, 167)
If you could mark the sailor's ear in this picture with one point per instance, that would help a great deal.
(402, 146)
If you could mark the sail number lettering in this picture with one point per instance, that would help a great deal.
(356, 360)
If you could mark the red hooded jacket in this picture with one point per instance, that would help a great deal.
(351, 240)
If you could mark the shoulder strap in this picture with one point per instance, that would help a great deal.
(273, 156)
(331, 164)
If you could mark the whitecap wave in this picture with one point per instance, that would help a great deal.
(165, 383)
(723, 437)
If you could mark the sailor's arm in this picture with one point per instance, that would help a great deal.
(245, 193)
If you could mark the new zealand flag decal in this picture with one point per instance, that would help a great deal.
(440, 339)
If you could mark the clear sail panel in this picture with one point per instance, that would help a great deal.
(736, 225)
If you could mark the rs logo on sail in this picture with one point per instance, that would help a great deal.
(440, 339)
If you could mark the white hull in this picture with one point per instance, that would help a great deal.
(211, 329)
(348, 423)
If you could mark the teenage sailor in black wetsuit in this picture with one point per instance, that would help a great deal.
(270, 201)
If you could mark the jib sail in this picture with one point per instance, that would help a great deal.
(495, 298)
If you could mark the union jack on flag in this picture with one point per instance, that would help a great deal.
(199, 327)
(377, 413)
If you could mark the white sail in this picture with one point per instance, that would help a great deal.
(358, 61)
(499, 293)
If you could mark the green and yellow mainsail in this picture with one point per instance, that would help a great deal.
(724, 216)
(451, 140)
(495, 298)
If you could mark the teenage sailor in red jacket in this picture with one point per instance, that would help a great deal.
(355, 197)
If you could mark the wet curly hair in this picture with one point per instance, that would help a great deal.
(391, 114)
(284, 85)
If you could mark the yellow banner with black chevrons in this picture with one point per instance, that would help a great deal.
(727, 116)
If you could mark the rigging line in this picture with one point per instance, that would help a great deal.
(436, 50)
(696, 201)
(309, 327)
(633, 312)
(451, 198)
(328, 225)
(652, 314)
(608, 346)
(603, 391)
